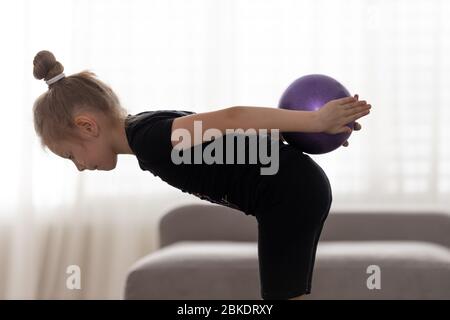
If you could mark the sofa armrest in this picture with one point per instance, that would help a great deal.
(201, 222)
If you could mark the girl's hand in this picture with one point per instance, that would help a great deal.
(335, 114)
(356, 127)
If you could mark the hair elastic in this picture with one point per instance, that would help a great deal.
(54, 79)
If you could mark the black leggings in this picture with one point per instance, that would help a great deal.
(291, 211)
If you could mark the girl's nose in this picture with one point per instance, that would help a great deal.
(80, 167)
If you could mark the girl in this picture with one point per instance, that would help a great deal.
(80, 118)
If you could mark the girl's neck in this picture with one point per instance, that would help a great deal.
(120, 140)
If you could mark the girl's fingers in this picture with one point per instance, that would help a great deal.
(346, 100)
(357, 109)
(355, 104)
(356, 116)
(346, 130)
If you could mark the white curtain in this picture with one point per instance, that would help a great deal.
(204, 55)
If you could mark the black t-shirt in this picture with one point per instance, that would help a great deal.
(236, 185)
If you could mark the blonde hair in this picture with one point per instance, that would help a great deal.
(54, 110)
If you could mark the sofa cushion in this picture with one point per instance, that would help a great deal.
(407, 269)
(196, 270)
(229, 270)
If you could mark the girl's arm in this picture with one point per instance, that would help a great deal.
(244, 118)
(335, 115)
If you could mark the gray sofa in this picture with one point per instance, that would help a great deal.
(210, 252)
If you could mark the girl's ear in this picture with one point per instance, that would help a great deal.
(87, 126)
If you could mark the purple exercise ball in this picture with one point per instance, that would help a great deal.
(310, 93)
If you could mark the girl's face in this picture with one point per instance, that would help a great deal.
(93, 150)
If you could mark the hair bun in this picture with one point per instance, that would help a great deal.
(45, 65)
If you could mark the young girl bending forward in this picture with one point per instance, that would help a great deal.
(80, 118)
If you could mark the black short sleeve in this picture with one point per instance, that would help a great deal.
(149, 134)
